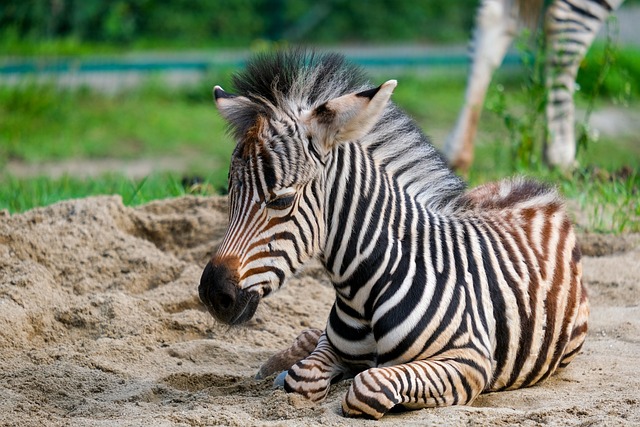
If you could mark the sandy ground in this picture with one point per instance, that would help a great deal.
(100, 325)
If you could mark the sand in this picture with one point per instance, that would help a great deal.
(100, 325)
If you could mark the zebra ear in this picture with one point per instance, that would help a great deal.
(239, 111)
(350, 117)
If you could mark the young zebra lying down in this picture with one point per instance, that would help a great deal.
(441, 294)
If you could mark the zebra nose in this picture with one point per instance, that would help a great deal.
(220, 293)
(224, 299)
(217, 291)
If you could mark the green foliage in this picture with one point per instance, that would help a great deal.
(64, 26)
(610, 200)
(524, 121)
(620, 83)
(41, 122)
(433, 101)
(378, 20)
(31, 99)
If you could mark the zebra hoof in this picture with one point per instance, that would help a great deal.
(278, 382)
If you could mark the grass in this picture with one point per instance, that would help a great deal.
(18, 195)
(40, 123)
(610, 201)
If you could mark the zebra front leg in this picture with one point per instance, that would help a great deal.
(415, 385)
(302, 347)
(312, 377)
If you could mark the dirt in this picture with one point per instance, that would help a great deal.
(100, 325)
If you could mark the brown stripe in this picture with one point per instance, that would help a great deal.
(578, 330)
(557, 285)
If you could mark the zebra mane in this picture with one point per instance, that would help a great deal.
(297, 79)
(298, 76)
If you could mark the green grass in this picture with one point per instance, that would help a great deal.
(44, 124)
(18, 195)
(432, 100)
(610, 201)
(40, 123)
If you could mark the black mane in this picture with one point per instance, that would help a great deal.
(298, 74)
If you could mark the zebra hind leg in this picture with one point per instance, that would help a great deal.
(415, 385)
(302, 347)
(312, 376)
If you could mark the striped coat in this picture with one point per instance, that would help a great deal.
(440, 293)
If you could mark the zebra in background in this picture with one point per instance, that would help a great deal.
(441, 293)
(569, 29)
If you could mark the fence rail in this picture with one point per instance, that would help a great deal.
(75, 65)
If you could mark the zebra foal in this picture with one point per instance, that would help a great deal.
(441, 294)
(569, 29)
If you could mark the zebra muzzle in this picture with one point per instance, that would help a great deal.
(220, 293)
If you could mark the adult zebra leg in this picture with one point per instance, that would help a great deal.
(495, 28)
(570, 28)
(414, 385)
(302, 347)
(312, 376)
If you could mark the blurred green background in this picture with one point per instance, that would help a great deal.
(114, 97)
(209, 23)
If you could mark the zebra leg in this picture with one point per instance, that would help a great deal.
(302, 347)
(494, 32)
(311, 377)
(570, 29)
(414, 385)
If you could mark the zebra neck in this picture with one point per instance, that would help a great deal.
(371, 222)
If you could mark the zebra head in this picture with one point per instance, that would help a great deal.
(277, 197)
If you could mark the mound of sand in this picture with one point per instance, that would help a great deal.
(100, 324)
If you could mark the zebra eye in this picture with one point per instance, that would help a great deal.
(282, 202)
